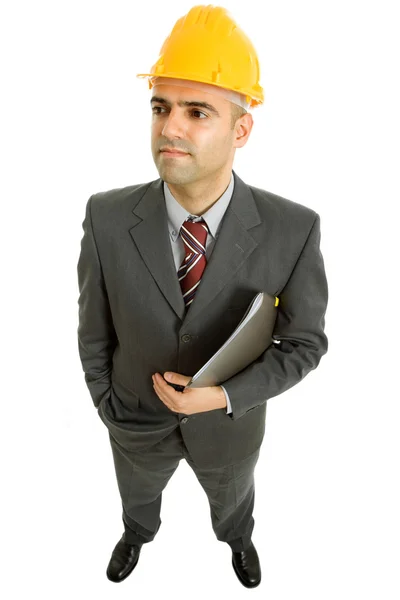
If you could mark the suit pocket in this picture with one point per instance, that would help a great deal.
(123, 397)
(120, 405)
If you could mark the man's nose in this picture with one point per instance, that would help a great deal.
(173, 126)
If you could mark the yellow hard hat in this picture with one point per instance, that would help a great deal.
(206, 45)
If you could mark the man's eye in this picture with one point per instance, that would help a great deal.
(198, 112)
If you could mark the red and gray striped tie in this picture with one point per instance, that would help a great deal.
(194, 236)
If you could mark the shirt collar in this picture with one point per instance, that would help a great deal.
(177, 214)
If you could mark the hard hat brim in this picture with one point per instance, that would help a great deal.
(251, 98)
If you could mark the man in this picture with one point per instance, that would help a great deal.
(166, 272)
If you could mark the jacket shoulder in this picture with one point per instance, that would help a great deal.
(282, 206)
(116, 196)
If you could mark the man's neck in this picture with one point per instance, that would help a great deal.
(198, 197)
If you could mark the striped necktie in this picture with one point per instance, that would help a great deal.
(194, 236)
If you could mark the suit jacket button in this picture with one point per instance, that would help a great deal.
(186, 338)
(184, 420)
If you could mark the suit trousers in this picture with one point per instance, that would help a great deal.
(143, 475)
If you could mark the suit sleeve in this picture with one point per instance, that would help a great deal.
(96, 334)
(299, 334)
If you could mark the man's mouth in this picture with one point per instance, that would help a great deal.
(173, 152)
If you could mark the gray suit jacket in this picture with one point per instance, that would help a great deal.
(132, 320)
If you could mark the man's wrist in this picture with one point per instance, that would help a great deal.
(222, 397)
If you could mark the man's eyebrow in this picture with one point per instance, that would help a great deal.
(195, 103)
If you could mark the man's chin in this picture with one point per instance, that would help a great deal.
(176, 176)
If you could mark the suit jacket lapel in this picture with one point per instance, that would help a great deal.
(233, 246)
(151, 237)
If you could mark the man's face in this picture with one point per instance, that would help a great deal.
(196, 123)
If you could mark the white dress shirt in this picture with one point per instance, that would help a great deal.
(213, 217)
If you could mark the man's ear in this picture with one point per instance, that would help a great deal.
(243, 127)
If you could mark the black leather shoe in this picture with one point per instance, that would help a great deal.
(123, 560)
(247, 566)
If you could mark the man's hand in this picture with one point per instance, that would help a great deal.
(191, 400)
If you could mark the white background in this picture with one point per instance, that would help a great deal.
(75, 121)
